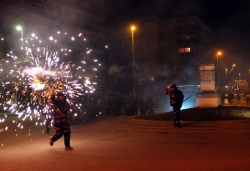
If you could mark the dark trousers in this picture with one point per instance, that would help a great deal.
(151, 110)
(62, 128)
(247, 102)
(47, 124)
(177, 117)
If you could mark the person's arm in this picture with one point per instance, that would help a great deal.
(167, 90)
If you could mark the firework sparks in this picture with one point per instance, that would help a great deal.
(28, 86)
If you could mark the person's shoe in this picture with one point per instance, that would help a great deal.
(177, 126)
(68, 148)
(51, 142)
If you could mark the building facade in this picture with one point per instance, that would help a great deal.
(165, 51)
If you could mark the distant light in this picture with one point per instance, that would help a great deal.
(19, 28)
(89, 51)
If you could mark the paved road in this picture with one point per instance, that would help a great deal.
(125, 144)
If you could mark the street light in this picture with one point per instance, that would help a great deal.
(233, 71)
(239, 82)
(226, 72)
(19, 28)
(133, 56)
(218, 80)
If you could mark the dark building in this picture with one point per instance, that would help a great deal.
(165, 51)
(48, 17)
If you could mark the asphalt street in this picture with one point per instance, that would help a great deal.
(126, 144)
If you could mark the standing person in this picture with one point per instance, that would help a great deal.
(141, 105)
(151, 105)
(132, 105)
(92, 108)
(247, 98)
(238, 97)
(99, 107)
(176, 100)
(108, 106)
(61, 123)
(48, 122)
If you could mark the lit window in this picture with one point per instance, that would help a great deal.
(181, 50)
(187, 49)
(184, 50)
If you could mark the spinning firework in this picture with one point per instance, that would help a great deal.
(29, 87)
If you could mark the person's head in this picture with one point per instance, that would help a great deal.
(173, 87)
(60, 96)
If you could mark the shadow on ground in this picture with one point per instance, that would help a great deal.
(204, 114)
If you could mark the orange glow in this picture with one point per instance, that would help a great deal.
(132, 28)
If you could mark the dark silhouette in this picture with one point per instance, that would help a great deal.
(176, 100)
(61, 122)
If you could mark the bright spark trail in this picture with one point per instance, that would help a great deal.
(27, 79)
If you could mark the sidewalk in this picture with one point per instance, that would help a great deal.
(234, 102)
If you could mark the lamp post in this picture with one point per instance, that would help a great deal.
(19, 28)
(239, 82)
(218, 80)
(226, 72)
(133, 56)
(233, 71)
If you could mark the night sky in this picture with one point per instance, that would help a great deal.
(229, 21)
